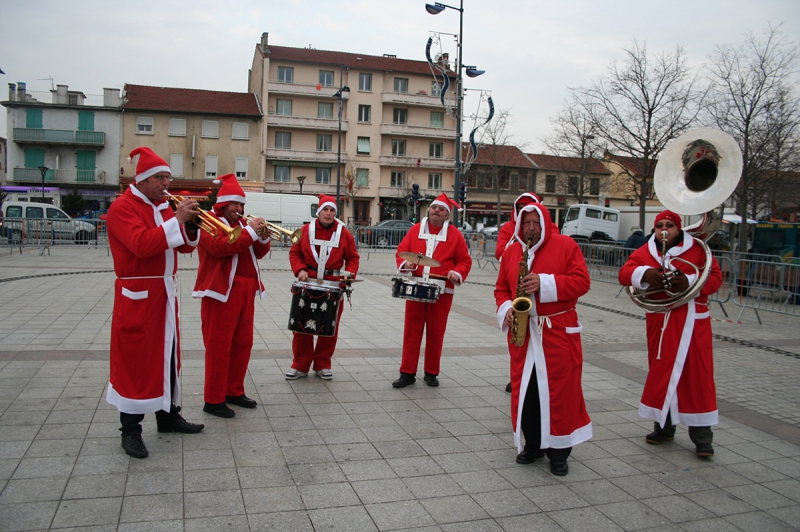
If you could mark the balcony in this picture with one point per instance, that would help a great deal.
(301, 89)
(304, 155)
(306, 122)
(59, 136)
(411, 162)
(56, 176)
(408, 130)
(421, 98)
(312, 188)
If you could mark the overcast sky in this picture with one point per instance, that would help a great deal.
(531, 49)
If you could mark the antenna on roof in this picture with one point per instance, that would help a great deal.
(52, 85)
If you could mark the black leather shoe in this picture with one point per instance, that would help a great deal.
(242, 400)
(431, 380)
(134, 446)
(559, 469)
(220, 410)
(704, 449)
(404, 380)
(508, 387)
(527, 457)
(176, 423)
(659, 436)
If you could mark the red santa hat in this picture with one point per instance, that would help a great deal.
(149, 164)
(327, 201)
(445, 202)
(668, 215)
(229, 191)
(526, 198)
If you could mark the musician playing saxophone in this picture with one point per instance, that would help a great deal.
(680, 381)
(547, 405)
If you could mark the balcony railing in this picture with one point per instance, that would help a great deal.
(420, 98)
(59, 136)
(417, 162)
(305, 155)
(54, 175)
(301, 89)
(306, 122)
(409, 130)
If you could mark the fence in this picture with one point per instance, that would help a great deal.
(18, 233)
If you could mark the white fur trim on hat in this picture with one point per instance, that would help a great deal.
(223, 199)
(327, 204)
(443, 204)
(151, 172)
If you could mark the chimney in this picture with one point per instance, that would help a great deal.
(21, 97)
(265, 41)
(111, 98)
(61, 94)
(12, 92)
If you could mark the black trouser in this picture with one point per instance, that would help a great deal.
(531, 423)
(696, 434)
(131, 423)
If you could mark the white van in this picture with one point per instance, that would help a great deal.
(589, 221)
(282, 209)
(25, 221)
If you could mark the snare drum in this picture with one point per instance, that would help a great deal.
(315, 308)
(415, 289)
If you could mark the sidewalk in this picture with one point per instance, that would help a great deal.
(354, 453)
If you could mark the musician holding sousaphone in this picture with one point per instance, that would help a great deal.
(437, 252)
(325, 261)
(228, 280)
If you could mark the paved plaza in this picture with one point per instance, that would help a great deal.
(355, 454)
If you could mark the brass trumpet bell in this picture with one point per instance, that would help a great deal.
(208, 222)
(275, 231)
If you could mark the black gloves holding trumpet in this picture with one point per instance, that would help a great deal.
(673, 281)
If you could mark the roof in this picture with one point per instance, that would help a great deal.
(567, 164)
(142, 97)
(503, 155)
(634, 165)
(347, 59)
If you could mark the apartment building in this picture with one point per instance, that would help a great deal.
(61, 141)
(625, 172)
(3, 159)
(393, 130)
(202, 134)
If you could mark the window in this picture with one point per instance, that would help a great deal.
(435, 181)
(522, 183)
(283, 139)
(594, 186)
(324, 142)
(323, 175)
(282, 174)
(400, 84)
(364, 113)
(610, 216)
(210, 129)
(34, 212)
(436, 150)
(365, 82)
(592, 213)
(241, 168)
(363, 146)
(85, 121)
(324, 110)
(400, 115)
(436, 89)
(503, 179)
(176, 164)
(398, 179)
(399, 148)
(144, 125)
(326, 78)
(284, 107)
(56, 214)
(362, 177)
(572, 185)
(34, 157)
(241, 130)
(285, 74)
(472, 179)
(33, 118)
(550, 183)
(177, 127)
(437, 119)
(211, 166)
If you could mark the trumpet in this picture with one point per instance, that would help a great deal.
(275, 231)
(208, 222)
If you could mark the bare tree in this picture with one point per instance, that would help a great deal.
(639, 106)
(750, 93)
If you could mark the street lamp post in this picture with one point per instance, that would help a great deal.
(435, 9)
(300, 180)
(340, 95)
(43, 170)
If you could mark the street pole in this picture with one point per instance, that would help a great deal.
(340, 95)
(43, 170)
(459, 118)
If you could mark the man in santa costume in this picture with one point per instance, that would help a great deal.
(145, 237)
(433, 237)
(227, 280)
(547, 404)
(326, 251)
(680, 381)
(505, 236)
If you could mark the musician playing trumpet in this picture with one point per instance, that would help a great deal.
(227, 281)
(680, 381)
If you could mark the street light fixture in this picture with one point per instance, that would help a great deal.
(43, 170)
(340, 95)
(472, 72)
(300, 180)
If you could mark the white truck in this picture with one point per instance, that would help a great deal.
(282, 209)
(591, 222)
(629, 217)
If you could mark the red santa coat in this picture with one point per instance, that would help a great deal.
(680, 381)
(504, 236)
(553, 341)
(448, 247)
(219, 260)
(145, 239)
(344, 256)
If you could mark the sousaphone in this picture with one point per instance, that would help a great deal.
(695, 174)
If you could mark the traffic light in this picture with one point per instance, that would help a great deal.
(462, 193)
(415, 193)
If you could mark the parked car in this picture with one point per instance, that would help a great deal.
(387, 233)
(42, 221)
(490, 231)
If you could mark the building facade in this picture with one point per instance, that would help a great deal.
(61, 142)
(201, 134)
(394, 130)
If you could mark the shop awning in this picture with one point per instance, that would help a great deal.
(735, 219)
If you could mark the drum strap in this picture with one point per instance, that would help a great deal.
(322, 256)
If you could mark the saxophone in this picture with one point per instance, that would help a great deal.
(522, 304)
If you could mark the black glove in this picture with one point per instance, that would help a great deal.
(191, 226)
